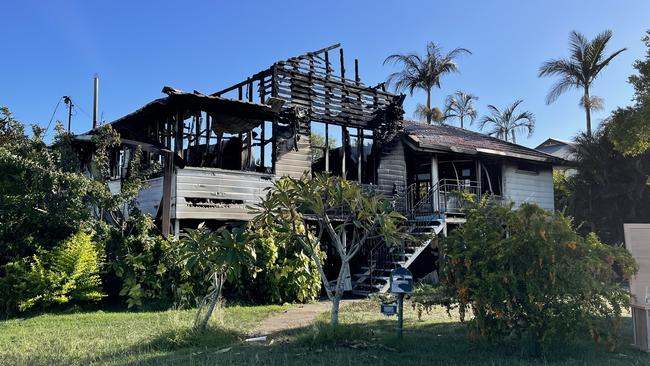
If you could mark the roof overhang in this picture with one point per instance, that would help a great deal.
(415, 142)
(229, 115)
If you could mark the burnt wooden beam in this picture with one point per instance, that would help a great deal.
(249, 134)
(356, 71)
(208, 132)
(342, 60)
(359, 153)
(327, 148)
(168, 172)
(257, 76)
(179, 122)
(263, 127)
(197, 130)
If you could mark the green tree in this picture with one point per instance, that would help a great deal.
(529, 278)
(42, 201)
(629, 128)
(586, 61)
(460, 105)
(423, 73)
(318, 145)
(609, 188)
(327, 210)
(507, 123)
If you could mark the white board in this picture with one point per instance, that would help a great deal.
(637, 241)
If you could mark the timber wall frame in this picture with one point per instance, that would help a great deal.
(310, 81)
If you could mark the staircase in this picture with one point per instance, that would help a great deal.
(425, 222)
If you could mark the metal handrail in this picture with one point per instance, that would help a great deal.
(419, 210)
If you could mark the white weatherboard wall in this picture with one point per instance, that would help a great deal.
(528, 187)
(637, 241)
(207, 193)
(150, 196)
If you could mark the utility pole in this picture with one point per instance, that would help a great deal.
(68, 101)
(95, 100)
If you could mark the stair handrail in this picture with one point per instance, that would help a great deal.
(429, 198)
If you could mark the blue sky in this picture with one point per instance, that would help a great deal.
(53, 48)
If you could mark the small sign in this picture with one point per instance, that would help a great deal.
(389, 309)
(401, 281)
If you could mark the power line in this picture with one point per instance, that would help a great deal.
(53, 113)
(82, 110)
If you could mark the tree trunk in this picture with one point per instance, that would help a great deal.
(513, 137)
(587, 111)
(461, 123)
(334, 313)
(338, 290)
(428, 106)
(214, 299)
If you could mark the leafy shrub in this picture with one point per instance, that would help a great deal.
(69, 272)
(41, 204)
(140, 263)
(425, 296)
(218, 256)
(528, 277)
(283, 271)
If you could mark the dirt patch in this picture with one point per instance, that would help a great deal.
(294, 318)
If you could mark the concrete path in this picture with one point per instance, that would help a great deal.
(298, 317)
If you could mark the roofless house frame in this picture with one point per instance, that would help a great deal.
(218, 153)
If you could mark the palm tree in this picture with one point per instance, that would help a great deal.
(461, 105)
(430, 114)
(423, 72)
(582, 67)
(507, 123)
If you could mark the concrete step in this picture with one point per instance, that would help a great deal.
(366, 268)
(363, 293)
(365, 275)
(363, 285)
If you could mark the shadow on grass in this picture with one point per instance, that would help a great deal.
(372, 343)
(175, 346)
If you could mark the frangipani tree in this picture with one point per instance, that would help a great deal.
(328, 210)
(220, 255)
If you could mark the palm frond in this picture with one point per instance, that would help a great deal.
(586, 60)
(559, 88)
(422, 72)
(606, 62)
(506, 122)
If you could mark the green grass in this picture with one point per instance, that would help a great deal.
(364, 338)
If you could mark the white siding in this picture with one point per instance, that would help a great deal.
(150, 196)
(528, 187)
(205, 193)
(637, 241)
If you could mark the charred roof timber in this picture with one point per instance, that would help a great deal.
(313, 82)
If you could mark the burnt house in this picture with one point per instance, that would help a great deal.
(218, 153)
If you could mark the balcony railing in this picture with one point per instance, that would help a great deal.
(447, 196)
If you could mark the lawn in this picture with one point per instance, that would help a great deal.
(365, 338)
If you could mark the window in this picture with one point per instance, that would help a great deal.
(248, 151)
(527, 168)
(343, 151)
